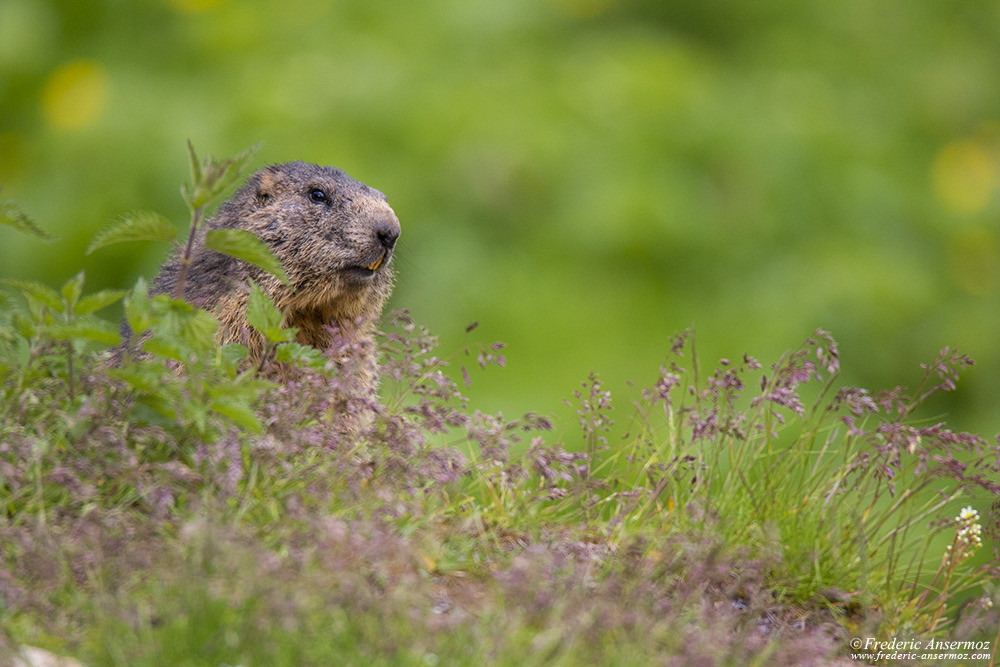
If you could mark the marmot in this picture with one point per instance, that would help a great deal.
(333, 235)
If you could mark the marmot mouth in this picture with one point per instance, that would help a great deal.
(366, 271)
(358, 272)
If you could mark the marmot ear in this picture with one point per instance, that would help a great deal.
(261, 198)
(264, 188)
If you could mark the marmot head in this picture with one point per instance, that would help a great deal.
(322, 224)
(334, 235)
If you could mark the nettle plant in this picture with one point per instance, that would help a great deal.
(63, 323)
(177, 391)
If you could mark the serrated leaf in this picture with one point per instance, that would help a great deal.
(193, 193)
(137, 307)
(193, 160)
(72, 290)
(179, 328)
(231, 356)
(39, 292)
(161, 348)
(141, 377)
(194, 411)
(199, 330)
(210, 177)
(240, 414)
(159, 405)
(89, 328)
(300, 355)
(24, 326)
(136, 226)
(245, 245)
(261, 311)
(228, 171)
(94, 302)
(12, 215)
(265, 317)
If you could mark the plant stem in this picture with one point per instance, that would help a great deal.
(196, 215)
(69, 369)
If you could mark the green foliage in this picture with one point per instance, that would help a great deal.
(245, 245)
(180, 374)
(170, 376)
(264, 316)
(227, 475)
(137, 226)
(179, 330)
(210, 178)
(65, 317)
(12, 215)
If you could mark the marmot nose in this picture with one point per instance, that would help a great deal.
(387, 231)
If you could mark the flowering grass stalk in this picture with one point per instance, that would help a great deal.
(815, 485)
(968, 538)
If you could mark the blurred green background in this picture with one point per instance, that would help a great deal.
(582, 177)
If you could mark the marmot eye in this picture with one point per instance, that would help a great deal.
(318, 196)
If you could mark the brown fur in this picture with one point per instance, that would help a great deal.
(324, 243)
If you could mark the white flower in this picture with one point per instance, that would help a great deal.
(968, 530)
(968, 515)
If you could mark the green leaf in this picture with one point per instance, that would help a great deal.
(90, 328)
(136, 226)
(39, 292)
(300, 355)
(12, 215)
(7, 335)
(94, 302)
(242, 415)
(245, 245)
(195, 166)
(265, 317)
(180, 329)
(194, 412)
(231, 169)
(138, 308)
(142, 377)
(162, 348)
(230, 357)
(26, 327)
(160, 405)
(72, 290)
(199, 329)
(210, 177)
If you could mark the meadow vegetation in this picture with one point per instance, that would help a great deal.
(182, 508)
